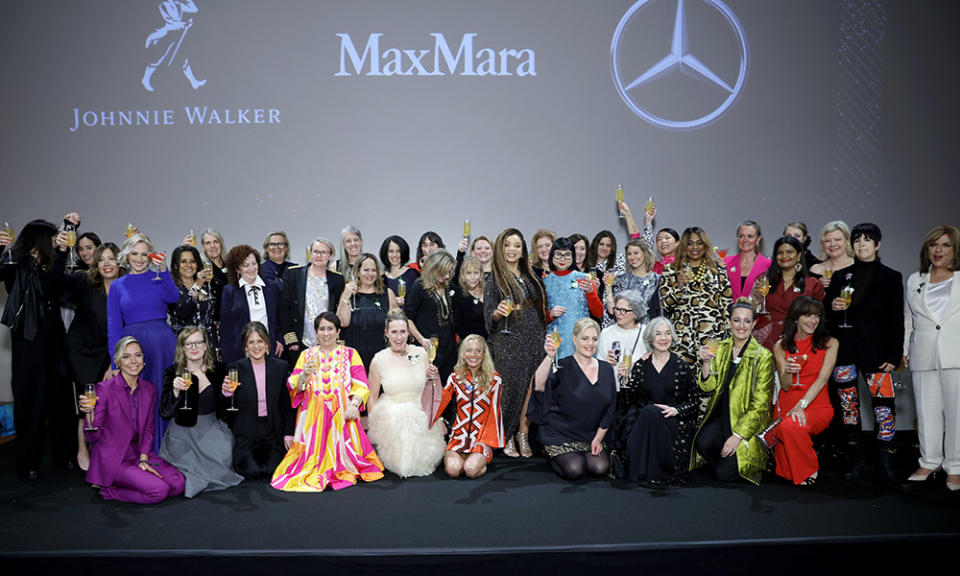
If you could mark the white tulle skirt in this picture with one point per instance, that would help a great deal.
(404, 443)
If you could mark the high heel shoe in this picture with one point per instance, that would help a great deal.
(509, 450)
(953, 482)
(523, 443)
(922, 474)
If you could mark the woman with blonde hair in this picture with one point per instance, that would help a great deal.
(429, 306)
(468, 304)
(477, 428)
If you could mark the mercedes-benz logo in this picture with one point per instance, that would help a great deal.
(681, 60)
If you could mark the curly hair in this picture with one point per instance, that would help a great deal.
(235, 258)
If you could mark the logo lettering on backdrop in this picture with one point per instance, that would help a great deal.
(414, 62)
(172, 33)
(681, 60)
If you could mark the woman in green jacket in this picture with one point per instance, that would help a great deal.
(741, 382)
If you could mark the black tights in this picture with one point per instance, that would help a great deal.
(573, 465)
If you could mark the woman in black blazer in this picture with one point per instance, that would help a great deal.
(246, 298)
(261, 436)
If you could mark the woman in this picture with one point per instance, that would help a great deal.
(649, 213)
(328, 386)
(197, 443)
(468, 302)
(748, 264)
(788, 281)
(86, 340)
(575, 406)
(667, 241)
(429, 242)
(477, 427)
(581, 247)
(515, 330)
(603, 256)
(657, 413)
(541, 244)
(799, 231)
(276, 249)
(836, 253)
(805, 357)
(246, 298)
(429, 306)
(351, 245)
(395, 255)
(307, 291)
(932, 339)
(264, 420)
(35, 330)
(195, 305)
(122, 461)
(739, 379)
(87, 244)
(363, 308)
(624, 336)
(137, 306)
(482, 248)
(213, 250)
(570, 295)
(695, 294)
(406, 439)
(639, 276)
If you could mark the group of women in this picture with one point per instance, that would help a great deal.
(634, 364)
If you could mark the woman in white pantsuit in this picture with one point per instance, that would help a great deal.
(932, 350)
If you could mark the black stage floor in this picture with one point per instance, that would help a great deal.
(519, 518)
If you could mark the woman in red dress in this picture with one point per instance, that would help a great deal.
(788, 280)
(805, 357)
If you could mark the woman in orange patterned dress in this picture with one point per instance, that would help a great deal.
(327, 387)
(478, 427)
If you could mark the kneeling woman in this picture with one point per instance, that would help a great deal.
(657, 412)
(197, 442)
(741, 383)
(478, 427)
(575, 405)
(122, 463)
(398, 425)
(805, 358)
(327, 387)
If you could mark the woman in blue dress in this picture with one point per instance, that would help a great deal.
(571, 295)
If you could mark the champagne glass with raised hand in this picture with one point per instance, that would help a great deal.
(90, 391)
(713, 347)
(187, 378)
(234, 378)
(763, 286)
(846, 294)
(466, 228)
(8, 251)
(71, 232)
(508, 302)
(620, 196)
(557, 338)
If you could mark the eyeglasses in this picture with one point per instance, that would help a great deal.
(276, 245)
(197, 344)
(320, 252)
(619, 310)
(563, 255)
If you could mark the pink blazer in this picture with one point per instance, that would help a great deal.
(117, 424)
(761, 266)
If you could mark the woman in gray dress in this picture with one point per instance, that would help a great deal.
(513, 309)
(197, 442)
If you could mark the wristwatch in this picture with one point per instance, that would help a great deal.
(803, 403)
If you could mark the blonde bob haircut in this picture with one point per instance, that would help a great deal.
(832, 227)
(438, 263)
(128, 245)
(585, 324)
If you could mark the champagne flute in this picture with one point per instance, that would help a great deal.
(402, 289)
(627, 361)
(90, 391)
(234, 378)
(846, 294)
(466, 228)
(71, 232)
(187, 381)
(620, 196)
(650, 205)
(432, 349)
(8, 251)
(508, 302)
(763, 285)
(192, 238)
(557, 339)
(712, 347)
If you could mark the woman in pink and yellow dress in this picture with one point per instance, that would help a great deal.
(328, 385)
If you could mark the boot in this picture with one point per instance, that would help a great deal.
(854, 460)
(885, 465)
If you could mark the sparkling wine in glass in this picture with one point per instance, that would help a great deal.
(131, 230)
(8, 251)
(187, 377)
(763, 285)
(402, 289)
(192, 238)
(466, 228)
(713, 347)
(90, 391)
(234, 378)
(432, 349)
(557, 338)
(650, 205)
(620, 196)
(508, 302)
(846, 294)
(71, 233)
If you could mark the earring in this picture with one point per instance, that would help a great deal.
(799, 267)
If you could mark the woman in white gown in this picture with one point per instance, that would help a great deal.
(407, 443)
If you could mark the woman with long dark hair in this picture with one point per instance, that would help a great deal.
(788, 281)
(196, 304)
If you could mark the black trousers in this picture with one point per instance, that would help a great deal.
(709, 444)
(258, 455)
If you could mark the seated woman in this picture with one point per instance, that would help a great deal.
(478, 427)
(197, 442)
(122, 463)
(741, 384)
(657, 413)
(624, 337)
(805, 357)
(328, 386)
(575, 405)
(263, 422)
(406, 440)
(788, 280)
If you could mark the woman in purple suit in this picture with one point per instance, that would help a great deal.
(246, 298)
(122, 460)
(137, 306)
